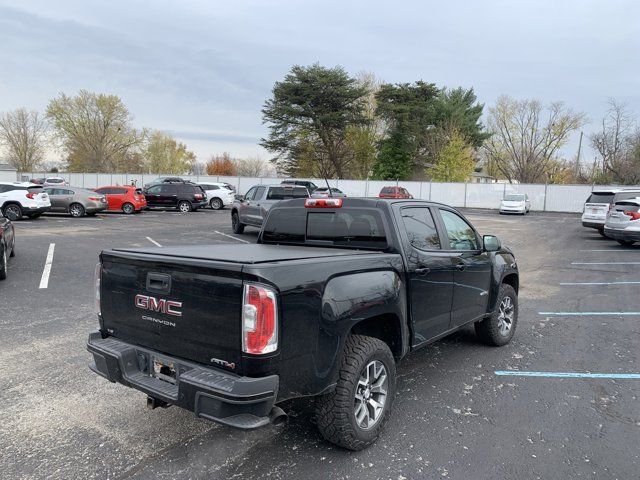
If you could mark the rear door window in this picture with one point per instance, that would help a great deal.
(625, 196)
(421, 228)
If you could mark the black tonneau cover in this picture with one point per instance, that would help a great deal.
(244, 254)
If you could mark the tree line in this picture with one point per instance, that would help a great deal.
(324, 122)
(96, 133)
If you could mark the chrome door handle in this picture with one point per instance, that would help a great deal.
(461, 266)
(422, 270)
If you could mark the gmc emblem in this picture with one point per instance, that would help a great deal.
(161, 305)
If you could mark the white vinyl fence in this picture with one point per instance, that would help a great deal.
(548, 198)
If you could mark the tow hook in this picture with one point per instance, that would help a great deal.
(155, 403)
(277, 416)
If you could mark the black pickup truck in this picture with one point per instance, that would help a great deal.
(334, 293)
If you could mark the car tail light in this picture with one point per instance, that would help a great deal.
(633, 215)
(96, 287)
(323, 203)
(198, 196)
(259, 320)
(31, 195)
(95, 199)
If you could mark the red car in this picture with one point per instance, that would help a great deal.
(127, 199)
(394, 192)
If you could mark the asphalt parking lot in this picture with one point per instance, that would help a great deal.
(460, 411)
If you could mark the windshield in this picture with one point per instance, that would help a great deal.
(358, 228)
(514, 198)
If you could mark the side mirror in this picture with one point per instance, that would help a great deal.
(240, 198)
(491, 243)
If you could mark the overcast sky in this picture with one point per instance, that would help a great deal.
(203, 69)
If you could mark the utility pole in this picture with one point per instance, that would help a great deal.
(578, 157)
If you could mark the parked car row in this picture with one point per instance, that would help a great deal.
(615, 213)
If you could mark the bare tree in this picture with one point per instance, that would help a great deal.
(23, 135)
(251, 167)
(615, 141)
(526, 136)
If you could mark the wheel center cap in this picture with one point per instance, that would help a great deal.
(367, 393)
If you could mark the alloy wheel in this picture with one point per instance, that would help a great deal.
(12, 212)
(371, 395)
(76, 210)
(506, 313)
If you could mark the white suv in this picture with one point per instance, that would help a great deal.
(600, 202)
(218, 194)
(23, 198)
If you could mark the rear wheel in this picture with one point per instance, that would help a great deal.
(76, 210)
(216, 203)
(354, 414)
(13, 211)
(3, 260)
(128, 208)
(184, 206)
(237, 226)
(498, 329)
(626, 243)
(601, 232)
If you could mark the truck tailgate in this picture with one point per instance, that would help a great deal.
(177, 306)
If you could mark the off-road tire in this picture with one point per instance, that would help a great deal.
(236, 225)
(335, 411)
(488, 330)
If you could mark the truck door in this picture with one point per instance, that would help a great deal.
(255, 209)
(429, 272)
(472, 269)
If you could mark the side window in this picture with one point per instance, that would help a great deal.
(168, 189)
(249, 195)
(420, 227)
(461, 235)
(69, 192)
(154, 190)
(4, 188)
(118, 191)
(103, 191)
(259, 193)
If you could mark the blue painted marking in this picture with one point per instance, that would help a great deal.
(588, 314)
(515, 373)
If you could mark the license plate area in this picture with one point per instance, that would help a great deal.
(163, 370)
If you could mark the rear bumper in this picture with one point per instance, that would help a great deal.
(593, 224)
(36, 209)
(240, 402)
(622, 234)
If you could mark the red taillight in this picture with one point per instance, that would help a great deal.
(323, 203)
(97, 199)
(31, 195)
(198, 196)
(633, 215)
(259, 320)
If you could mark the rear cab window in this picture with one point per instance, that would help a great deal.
(280, 193)
(354, 227)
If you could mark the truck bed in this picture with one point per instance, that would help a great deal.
(242, 254)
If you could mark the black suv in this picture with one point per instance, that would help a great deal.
(185, 196)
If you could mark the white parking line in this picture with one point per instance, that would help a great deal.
(600, 283)
(153, 241)
(605, 263)
(44, 281)
(230, 236)
(610, 250)
(589, 314)
(515, 373)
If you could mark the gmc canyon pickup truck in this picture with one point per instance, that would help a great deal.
(334, 293)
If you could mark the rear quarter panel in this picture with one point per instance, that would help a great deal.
(320, 301)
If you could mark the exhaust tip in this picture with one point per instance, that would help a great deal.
(277, 416)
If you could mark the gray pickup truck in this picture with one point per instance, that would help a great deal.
(251, 208)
